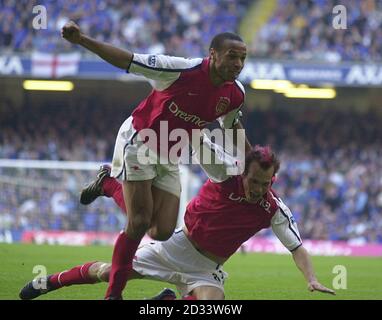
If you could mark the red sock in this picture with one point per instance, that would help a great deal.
(76, 275)
(121, 265)
(112, 188)
(189, 297)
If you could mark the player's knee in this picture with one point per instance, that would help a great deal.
(203, 293)
(160, 235)
(216, 296)
(104, 272)
(140, 223)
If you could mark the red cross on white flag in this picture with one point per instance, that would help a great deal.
(48, 65)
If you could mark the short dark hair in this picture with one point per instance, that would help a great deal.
(218, 40)
(264, 156)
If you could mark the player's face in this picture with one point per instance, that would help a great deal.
(229, 60)
(257, 181)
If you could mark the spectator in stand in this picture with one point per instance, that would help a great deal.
(303, 30)
(180, 28)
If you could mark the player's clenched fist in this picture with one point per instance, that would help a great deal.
(71, 32)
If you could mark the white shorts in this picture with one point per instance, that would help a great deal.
(126, 165)
(178, 262)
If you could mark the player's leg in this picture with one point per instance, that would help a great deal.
(112, 188)
(166, 192)
(201, 277)
(166, 206)
(139, 204)
(207, 293)
(136, 186)
(76, 275)
(165, 215)
(101, 271)
(103, 185)
(88, 273)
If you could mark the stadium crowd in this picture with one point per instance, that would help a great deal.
(48, 200)
(300, 30)
(331, 173)
(177, 27)
(303, 30)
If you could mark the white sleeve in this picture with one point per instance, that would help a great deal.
(230, 119)
(217, 164)
(285, 227)
(161, 70)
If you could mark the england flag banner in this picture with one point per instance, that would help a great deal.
(48, 65)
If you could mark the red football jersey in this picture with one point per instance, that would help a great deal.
(183, 95)
(219, 219)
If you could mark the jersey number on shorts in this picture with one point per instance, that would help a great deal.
(218, 276)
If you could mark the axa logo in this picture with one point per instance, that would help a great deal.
(10, 65)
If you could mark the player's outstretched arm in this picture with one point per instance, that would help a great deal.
(115, 56)
(303, 262)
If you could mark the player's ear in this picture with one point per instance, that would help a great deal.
(274, 178)
(212, 54)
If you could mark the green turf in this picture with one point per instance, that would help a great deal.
(251, 276)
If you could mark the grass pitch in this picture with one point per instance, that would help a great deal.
(251, 276)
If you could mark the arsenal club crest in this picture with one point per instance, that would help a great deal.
(222, 105)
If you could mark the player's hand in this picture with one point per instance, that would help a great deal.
(316, 286)
(71, 32)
